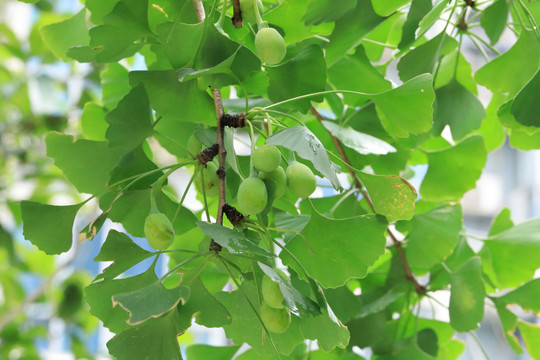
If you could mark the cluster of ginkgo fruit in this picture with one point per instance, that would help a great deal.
(252, 196)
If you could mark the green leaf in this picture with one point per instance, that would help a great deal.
(525, 106)
(508, 323)
(292, 297)
(424, 58)
(123, 27)
(205, 352)
(362, 143)
(454, 171)
(527, 296)
(334, 355)
(418, 9)
(382, 302)
(93, 122)
(150, 301)
(321, 11)
(303, 74)
(174, 36)
(326, 329)
(491, 129)
(288, 16)
(122, 251)
(392, 196)
(531, 337)
(355, 72)
(431, 17)
(328, 252)
(350, 30)
(408, 108)
(164, 90)
(524, 140)
(467, 296)
(130, 123)
(155, 339)
(502, 222)
(49, 227)
(99, 296)
(85, 163)
(508, 73)
(132, 165)
(217, 54)
(59, 37)
(387, 7)
(114, 84)
(208, 311)
(519, 242)
(493, 20)
(457, 108)
(234, 241)
(434, 235)
(302, 141)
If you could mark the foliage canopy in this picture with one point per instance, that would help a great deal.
(347, 261)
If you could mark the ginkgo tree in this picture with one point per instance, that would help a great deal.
(308, 85)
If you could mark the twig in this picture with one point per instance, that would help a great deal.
(199, 9)
(419, 288)
(222, 155)
(339, 149)
(237, 14)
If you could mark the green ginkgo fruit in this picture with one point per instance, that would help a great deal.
(193, 146)
(266, 158)
(275, 320)
(271, 293)
(211, 180)
(159, 231)
(300, 179)
(270, 46)
(252, 196)
(279, 177)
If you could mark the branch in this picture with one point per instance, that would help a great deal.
(222, 156)
(237, 14)
(419, 288)
(199, 9)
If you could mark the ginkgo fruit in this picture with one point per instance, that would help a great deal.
(270, 46)
(266, 158)
(275, 320)
(159, 231)
(279, 178)
(211, 180)
(271, 293)
(300, 179)
(193, 146)
(252, 196)
(247, 7)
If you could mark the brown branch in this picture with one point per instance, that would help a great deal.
(237, 14)
(222, 156)
(419, 288)
(199, 9)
